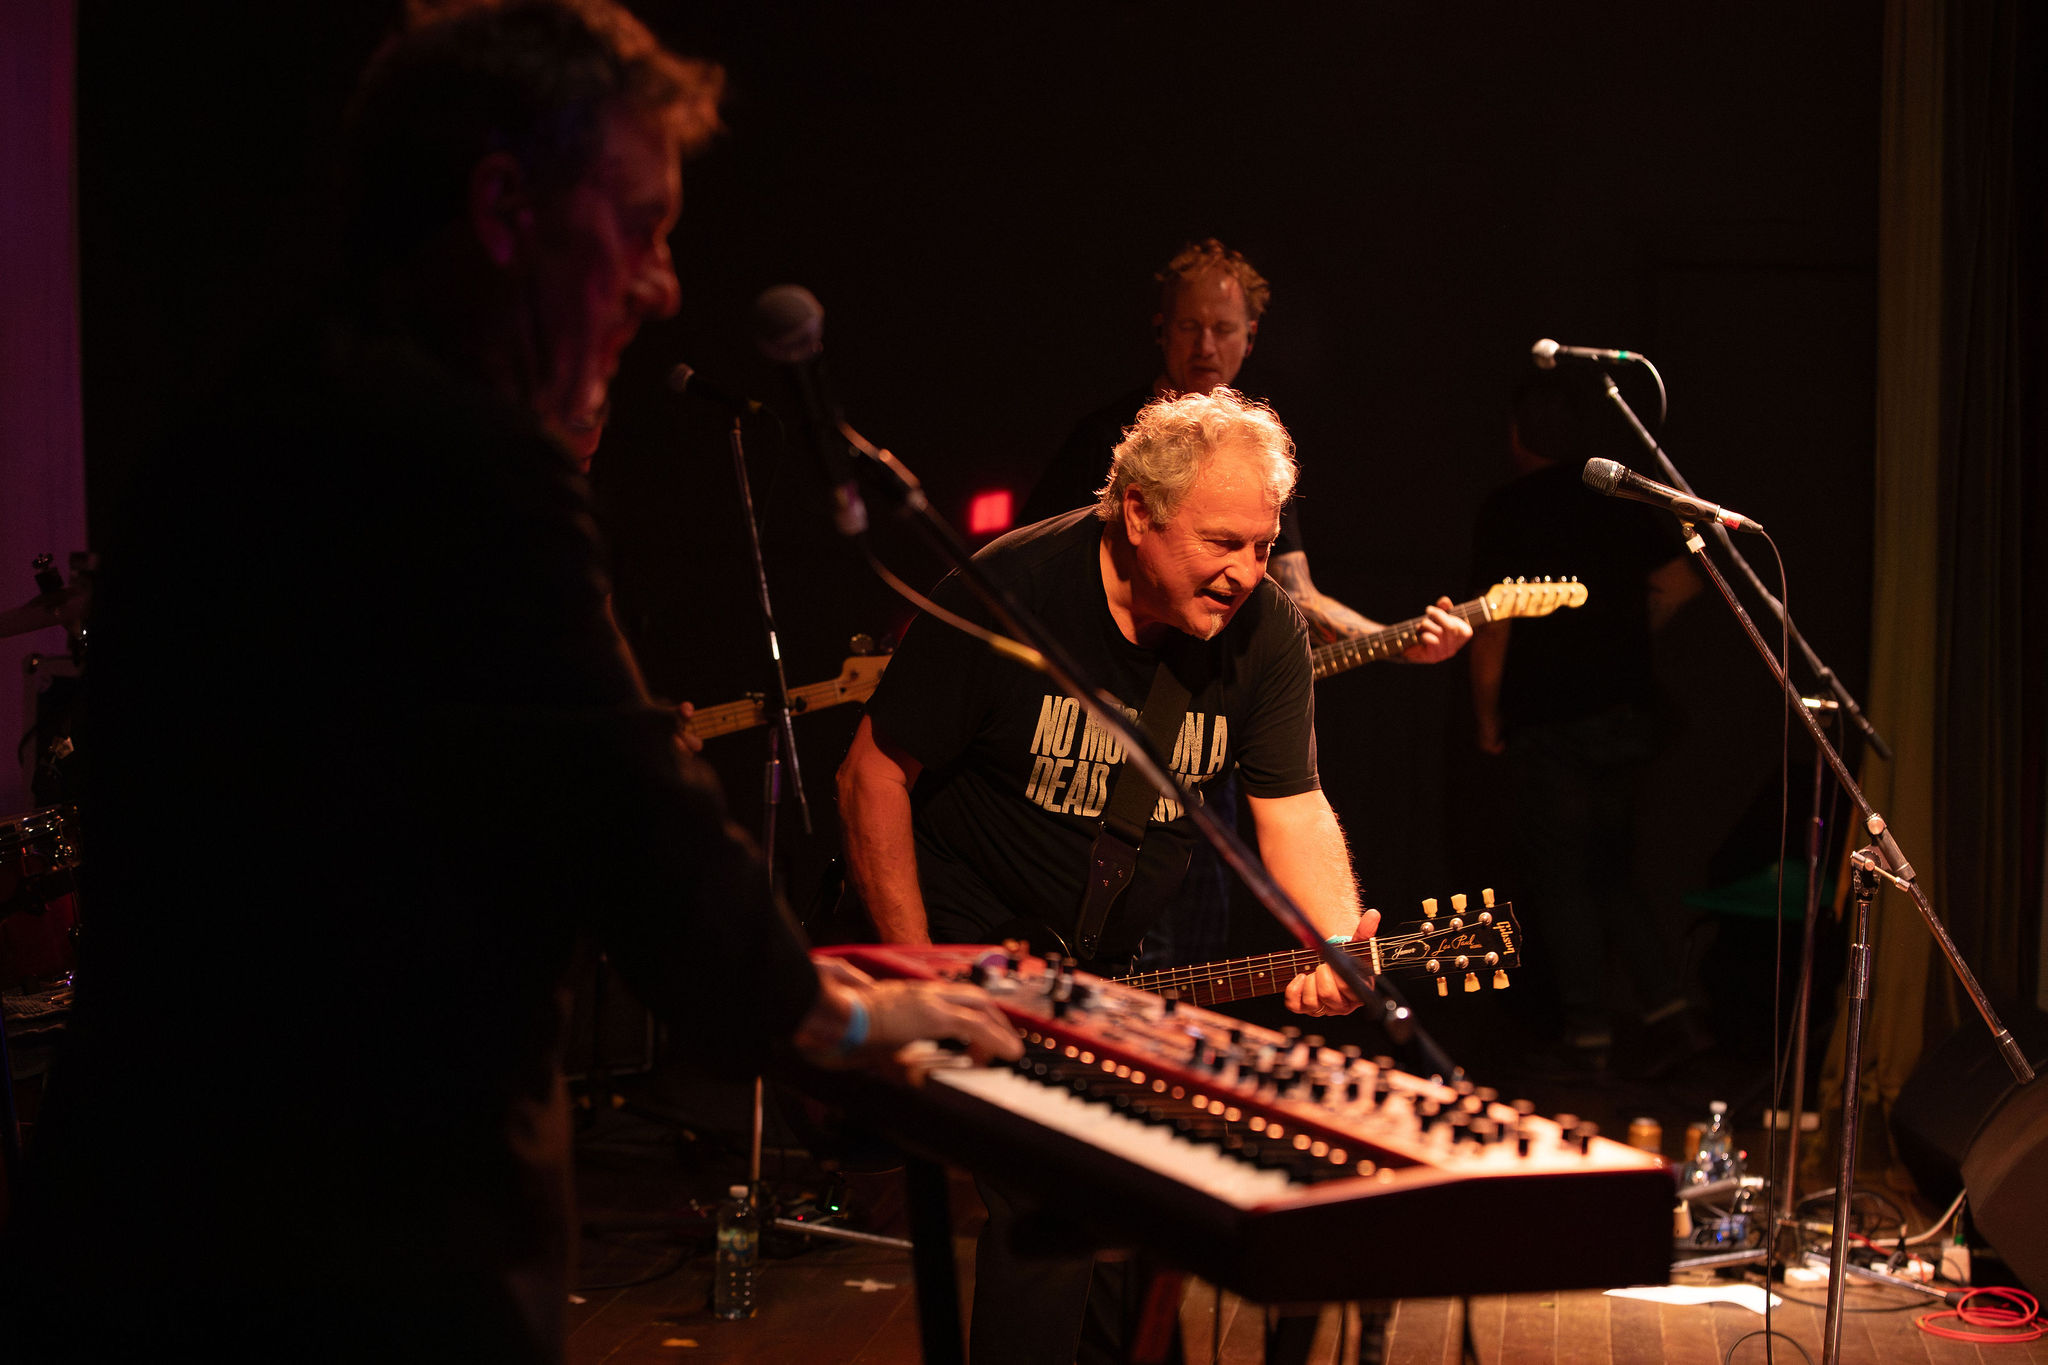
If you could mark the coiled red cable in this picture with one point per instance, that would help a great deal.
(2019, 1314)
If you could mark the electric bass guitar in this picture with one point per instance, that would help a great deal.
(861, 673)
(1479, 944)
(856, 682)
(1502, 601)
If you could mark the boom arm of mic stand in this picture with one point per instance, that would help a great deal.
(895, 481)
(1896, 867)
(1820, 670)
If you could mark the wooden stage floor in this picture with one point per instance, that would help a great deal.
(850, 1304)
(854, 1305)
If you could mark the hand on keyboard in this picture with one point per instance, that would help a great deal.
(905, 1012)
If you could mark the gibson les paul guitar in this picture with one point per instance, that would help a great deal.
(1502, 602)
(1476, 944)
(1479, 945)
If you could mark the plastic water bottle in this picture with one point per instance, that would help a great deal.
(739, 1251)
(1715, 1159)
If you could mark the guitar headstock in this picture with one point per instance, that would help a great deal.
(859, 676)
(1524, 598)
(1468, 939)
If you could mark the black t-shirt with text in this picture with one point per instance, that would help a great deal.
(1016, 776)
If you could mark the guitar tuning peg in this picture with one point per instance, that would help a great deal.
(1459, 902)
(1442, 986)
(1486, 896)
(1500, 979)
(1429, 906)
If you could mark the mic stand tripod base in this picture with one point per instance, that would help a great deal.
(1719, 1259)
(873, 1239)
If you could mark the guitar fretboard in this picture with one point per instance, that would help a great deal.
(1217, 983)
(728, 717)
(1386, 642)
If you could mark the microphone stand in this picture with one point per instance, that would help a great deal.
(1882, 858)
(1816, 842)
(781, 738)
(1813, 661)
(1045, 654)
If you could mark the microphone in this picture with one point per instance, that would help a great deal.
(1617, 481)
(685, 380)
(1546, 352)
(788, 324)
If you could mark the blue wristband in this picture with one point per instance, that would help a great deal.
(856, 1029)
(1339, 939)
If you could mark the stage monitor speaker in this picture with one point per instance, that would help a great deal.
(1954, 1088)
(2006, 1173)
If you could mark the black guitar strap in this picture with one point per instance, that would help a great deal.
(1114, 859)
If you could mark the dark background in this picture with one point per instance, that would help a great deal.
(979, 198)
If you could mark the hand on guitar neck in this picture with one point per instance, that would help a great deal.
(1503, 601)
(1433, 637)
(1474, 946)
(686, 736)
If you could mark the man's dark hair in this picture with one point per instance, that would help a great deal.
(535, 78)
(1549, 416)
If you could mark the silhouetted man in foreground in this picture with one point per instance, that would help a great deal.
(370, 757)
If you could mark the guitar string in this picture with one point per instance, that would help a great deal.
(1245, 968)
(1248, 970)
(1365, 648)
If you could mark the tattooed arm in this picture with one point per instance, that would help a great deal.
(1327, 617)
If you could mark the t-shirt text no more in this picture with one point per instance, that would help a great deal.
(1067, 778)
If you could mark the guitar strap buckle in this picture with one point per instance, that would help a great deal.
(1111, 865)
(1113, 861)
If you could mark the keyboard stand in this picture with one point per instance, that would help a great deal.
(931, 1262)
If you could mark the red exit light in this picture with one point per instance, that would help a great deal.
(989, 513)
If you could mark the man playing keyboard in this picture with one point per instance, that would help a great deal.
(974, 793)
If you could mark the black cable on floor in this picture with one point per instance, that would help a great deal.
(1766, 1334)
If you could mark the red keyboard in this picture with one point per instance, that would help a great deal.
(1267, 1162)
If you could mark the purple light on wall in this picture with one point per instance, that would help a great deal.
(42, 459)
